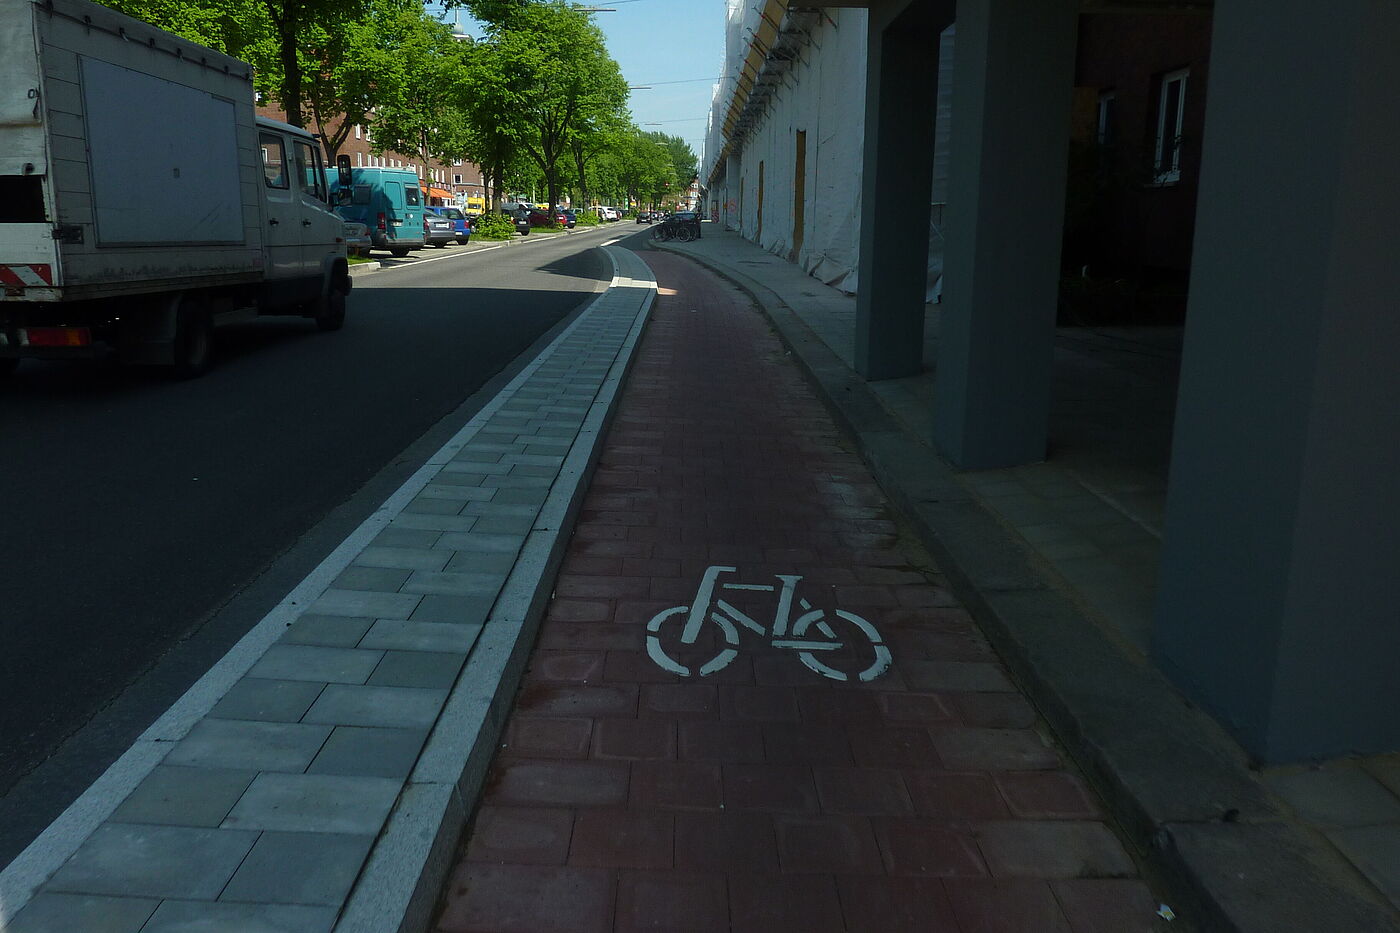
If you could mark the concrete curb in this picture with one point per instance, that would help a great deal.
(1180, 788)
(399, 886)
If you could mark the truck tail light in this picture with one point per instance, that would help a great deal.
(382, 224)
(55, 337)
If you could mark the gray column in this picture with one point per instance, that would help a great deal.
(1279, 596)
(900, 101)
(1013, 77)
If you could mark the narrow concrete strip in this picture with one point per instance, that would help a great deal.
(399, 886)
(28, 872)
(1176, 782)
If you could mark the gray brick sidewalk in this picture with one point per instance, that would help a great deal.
(318, 776)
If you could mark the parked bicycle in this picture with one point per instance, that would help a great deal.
(812, 634)
(672, 229)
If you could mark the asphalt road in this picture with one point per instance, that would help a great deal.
(146, 524)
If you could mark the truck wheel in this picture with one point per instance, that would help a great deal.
(330, 311)
(398, 252)
(194, 340)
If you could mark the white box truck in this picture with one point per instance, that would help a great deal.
(141, 198)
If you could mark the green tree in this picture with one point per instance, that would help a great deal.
(550, 74)
(229, 26)
(418, 107)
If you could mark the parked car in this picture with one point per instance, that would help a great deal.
(357, 239)
(608, 213)
(461, 222)
(438, 230)
(644, 217)
(570, 218)
(521, 217)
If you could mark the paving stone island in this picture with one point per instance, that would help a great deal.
(301, 785)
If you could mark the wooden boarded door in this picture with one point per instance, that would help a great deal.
(758, 235)
(799, 194)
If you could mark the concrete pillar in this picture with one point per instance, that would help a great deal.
(1279, 596)
(901, 86)
(1013, 78)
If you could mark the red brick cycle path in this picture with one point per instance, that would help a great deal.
(766, 797)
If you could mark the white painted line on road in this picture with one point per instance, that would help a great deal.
(32, 867)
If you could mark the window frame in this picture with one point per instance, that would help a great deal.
(264, 140)
(1166, 150)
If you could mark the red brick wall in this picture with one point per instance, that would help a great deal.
(1139, 224)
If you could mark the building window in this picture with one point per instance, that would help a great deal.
(357, 131)
(1108, 112)
(359, 159)
(1171, 105)
(456, 179)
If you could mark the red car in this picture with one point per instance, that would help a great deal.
(540, 218)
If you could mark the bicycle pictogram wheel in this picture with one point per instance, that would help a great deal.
(672, 636)
(860, 655)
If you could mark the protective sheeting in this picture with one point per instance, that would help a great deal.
(820, 94)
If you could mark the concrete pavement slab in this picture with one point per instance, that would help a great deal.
(260, 746)
(155, 861)
(88, 912)
(314, 803)
(267, 700)
(409, 707)
(368, 751)
(184, 797)
(299, 868)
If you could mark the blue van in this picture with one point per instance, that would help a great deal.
(386, 200)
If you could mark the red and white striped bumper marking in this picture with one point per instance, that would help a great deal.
(33, 275)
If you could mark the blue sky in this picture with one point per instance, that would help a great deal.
(659, 41)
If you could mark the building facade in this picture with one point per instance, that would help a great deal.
(1275, 605)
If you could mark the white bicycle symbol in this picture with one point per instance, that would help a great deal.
(811, 634)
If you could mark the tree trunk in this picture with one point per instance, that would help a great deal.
(291, 72)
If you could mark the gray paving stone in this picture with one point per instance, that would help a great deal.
(479, 542)
(501, 509)
(403, 558)
(381, 579)
(335, 631)
(184, 797)
(370, 752)
(267, 700)
(317, 663)
(460, 610)
(532, 469)
(519, 481)
(506, 525)
(407, 707)
(433, 506)
(454, 583)
(258, 746)
(154, 861)
(299, 868)
(475, 467)
(421, 636)
(482, 445)
(362, 604)
(521, 496)
(314, 803)
(228, 917)
(470, 454)
(548, 449)
(457, 491)
(1341, 796)
(404, 537)
(549, 460)
(88, 913)
(1376, 851)
(434, 522)
(417, 669)
(458, 477)
(479, 562)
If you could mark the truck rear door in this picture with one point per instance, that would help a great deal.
(29, 258)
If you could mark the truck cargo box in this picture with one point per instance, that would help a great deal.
(129, 160)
